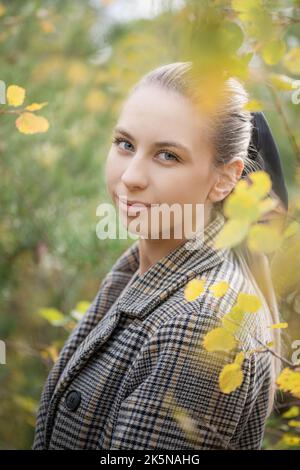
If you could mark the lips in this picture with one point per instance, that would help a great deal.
(132, 208)
(124, 200)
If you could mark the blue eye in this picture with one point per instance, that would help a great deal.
(118, 140)
(174, 157)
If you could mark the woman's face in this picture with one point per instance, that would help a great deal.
(160, 155)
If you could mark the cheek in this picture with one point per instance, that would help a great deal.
(190, 185)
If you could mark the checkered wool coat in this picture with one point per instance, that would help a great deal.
(136, 360)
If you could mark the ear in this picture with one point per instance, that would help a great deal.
(226, 179)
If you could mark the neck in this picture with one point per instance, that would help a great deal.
(152, 250)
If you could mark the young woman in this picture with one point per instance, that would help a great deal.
(134, 373)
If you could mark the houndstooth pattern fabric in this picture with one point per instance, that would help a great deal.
(137, 359)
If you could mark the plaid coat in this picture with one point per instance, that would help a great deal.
(136, 360)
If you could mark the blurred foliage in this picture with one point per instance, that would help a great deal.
(82, 62)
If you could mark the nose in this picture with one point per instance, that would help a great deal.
(135, 175)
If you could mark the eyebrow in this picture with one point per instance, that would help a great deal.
(167, 143)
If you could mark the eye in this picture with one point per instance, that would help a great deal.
(118, 140)
(173, 156)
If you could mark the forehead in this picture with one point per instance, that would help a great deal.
(157, 113)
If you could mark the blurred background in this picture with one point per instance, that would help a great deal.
(65, 68)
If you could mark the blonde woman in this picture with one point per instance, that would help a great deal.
(134, 373)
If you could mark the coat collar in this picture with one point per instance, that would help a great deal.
(143, 293)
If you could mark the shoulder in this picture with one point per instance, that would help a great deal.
(205, 313)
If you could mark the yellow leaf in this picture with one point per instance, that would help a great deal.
(249, 303)
(254, 105)
(219, 339)
(291, 60)
(77, 72)
(262, 184)
(82, 306)
(273, 51)
(95, 101)
(15, 95)
(26, 403)
(193, 289)
(53, 316)
(185, 421)
(239, 359)
(262, 237)
(2, 9)
(241, 206)
(233, 320)
(290, 440)
(51, 352)
(36, 106)
(80, 309)
(278, 325)
(232, 233)
(230, 378)
(282, 82)
(294, 423)
(241, 186)
(289, 381)
(244, 5)
(267, 205)
(47, 26)
(29, 123)
(219, 289)
(291, 230)
(291, 412)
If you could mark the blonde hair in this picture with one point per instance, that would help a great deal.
(230, 127)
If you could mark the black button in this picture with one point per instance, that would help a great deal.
(73, 400)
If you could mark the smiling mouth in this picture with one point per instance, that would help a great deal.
(133, 203)
(133, 208)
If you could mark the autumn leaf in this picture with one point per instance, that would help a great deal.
(241, 206)
(261, 184)
(282, 82)
(219, 289)
(254, 105)
(278, 325)
(264, 238)
(230, 378)
(15, 95)
(290, 440)
(249, 303)
(80, 309)
(233, 320)
(233, 232)
(219, 339)
(291, 60)
(239, 359)
(2, 9)
(36, 106)
(53, 316)
(294, 423)
(292, 412)
(273, 51)
(29, 123)
(193, 289)
(291, 230)
(289, 381)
